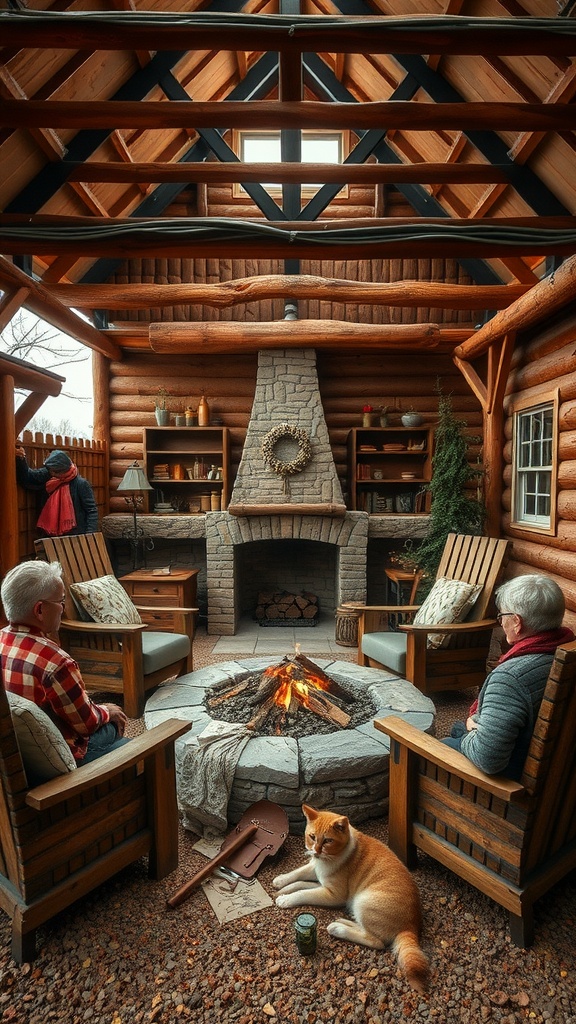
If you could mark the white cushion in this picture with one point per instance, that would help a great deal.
(105, 600)
(43, 748)
(448, 601)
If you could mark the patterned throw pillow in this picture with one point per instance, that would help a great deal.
(105, 600)
(448, 601)
(43, 748)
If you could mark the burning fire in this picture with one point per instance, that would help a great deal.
(289, 688)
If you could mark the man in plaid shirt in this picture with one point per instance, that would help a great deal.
(34, 666)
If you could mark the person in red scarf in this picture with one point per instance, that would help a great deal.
(67, 499)
(499, 727)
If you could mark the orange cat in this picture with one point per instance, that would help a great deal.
(349, 868)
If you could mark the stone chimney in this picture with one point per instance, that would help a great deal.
(287, 392)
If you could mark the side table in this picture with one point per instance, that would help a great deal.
(176, 589)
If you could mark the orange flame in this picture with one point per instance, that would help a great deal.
(288, 687)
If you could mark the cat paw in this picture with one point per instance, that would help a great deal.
(339, 929)
(285, 900)
(280, 881)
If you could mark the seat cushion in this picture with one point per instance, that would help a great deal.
(105, 600)
(43, 749)
(162, 649)
(448, 601)
(388, 649)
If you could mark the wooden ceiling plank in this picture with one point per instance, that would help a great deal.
(213, 172)
(274, 114)
(410, 294)
(46, 139)
(294, 34)
(119, 143)
(563, 90)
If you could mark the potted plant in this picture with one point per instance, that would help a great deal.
(162, 413)
(452, 510)
(411, 418)
(367, 411)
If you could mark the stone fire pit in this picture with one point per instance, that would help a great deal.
(345, 770)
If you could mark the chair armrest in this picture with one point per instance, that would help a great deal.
(173, 620)
(79, 626)
(446, 757)
(449, 627)
(103, 768)
(388, 608)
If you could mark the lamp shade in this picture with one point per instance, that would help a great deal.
(134, 479)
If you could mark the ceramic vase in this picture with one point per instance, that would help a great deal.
(162, 417)
(411, 419)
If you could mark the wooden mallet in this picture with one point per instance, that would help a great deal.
(184, 891)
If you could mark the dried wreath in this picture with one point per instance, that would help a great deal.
(297, 464)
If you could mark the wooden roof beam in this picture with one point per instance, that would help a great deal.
(213, 172)
(410, 294)
(40, 301)
(368, 239)
(540, 302)
(86, 30)
(237, 336)
(276, 114)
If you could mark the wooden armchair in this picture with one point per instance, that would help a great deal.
(476, 560)
(60, 840)
(511, 840)
(115, 658)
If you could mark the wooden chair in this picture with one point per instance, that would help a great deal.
(60, 840)
(125, 659)
(405, 652)
(511, 840)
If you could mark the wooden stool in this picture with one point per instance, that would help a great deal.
(397, 577)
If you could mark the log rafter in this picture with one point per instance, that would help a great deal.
(289, 33)
(224, 294)
(274, 114)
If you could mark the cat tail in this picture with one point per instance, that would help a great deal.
(412, 960)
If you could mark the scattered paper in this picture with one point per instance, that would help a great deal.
(232, 900)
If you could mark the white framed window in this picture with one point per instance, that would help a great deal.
(318, 147)
(534, 469)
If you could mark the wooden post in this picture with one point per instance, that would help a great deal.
(9, 503)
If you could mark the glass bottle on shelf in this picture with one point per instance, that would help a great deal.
(203, 413)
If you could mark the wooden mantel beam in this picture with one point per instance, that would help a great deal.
(213, 172)
(133, 30)
(227, 238)
(238, 336)
(40, 300)
(277, 286)
(275, 114)
(541, 301)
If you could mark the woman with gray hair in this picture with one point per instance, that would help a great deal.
(497, 733)
(34, 666)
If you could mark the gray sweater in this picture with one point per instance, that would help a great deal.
(508, 706)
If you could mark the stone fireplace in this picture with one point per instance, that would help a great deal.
(299, 521)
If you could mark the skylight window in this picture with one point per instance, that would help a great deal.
(264, 148)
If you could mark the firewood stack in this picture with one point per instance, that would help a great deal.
(280, 607)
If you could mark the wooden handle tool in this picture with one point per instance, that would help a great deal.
(184, 891)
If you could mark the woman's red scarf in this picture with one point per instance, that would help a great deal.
(58, 516)
(538, 643)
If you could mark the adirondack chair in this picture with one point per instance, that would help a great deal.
(511, 840)
(406, 652)
(61, 839)
(118, 658)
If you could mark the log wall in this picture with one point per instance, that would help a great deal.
(541, 362)
(347, 382)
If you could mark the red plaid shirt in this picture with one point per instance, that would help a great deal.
(37, 668)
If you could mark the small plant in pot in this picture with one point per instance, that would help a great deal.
(411, 418)
(162, 413)
(383, 414)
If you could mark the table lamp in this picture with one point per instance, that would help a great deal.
(134, 481)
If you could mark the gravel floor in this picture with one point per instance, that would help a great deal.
(120, 955)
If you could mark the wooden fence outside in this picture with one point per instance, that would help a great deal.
(91, 458)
